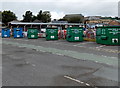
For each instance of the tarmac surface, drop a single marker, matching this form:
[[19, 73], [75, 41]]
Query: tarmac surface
[[37, 62]]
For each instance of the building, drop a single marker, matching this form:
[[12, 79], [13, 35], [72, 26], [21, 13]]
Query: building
[[39, 26], [106, 20], [93, 21], [73, 15], [2, 25], [78, 18], [59, 22], [92, 18], [114, 23], [98, 20]]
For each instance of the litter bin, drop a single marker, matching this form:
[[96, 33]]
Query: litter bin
[[18, 32], [5, 32], [32, 33], [108, 35], [51, 33], [74, 34]]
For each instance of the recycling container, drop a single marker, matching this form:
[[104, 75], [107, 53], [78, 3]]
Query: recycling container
[[51, 33], [32, 33], [18, 32], [108, 35], [74, 34], [5, 32]]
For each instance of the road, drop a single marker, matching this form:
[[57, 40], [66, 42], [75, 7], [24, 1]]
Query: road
[[37, 62]]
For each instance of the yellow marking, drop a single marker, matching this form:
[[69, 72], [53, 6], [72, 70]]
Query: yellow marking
[[88, 39]]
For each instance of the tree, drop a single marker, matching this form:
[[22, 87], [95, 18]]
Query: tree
[[8, 16], [28, 16], [44, 16], [39, 15], [116, 18], [34, 18]]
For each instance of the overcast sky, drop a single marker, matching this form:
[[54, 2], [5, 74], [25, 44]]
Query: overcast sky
[[59, 8]]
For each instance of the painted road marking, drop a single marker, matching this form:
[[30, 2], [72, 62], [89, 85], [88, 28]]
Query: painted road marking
[[78, 45], [54, 42], [33, 65], [74, 54], [99, 48], [83, 43], [78, 81], [105, 50]]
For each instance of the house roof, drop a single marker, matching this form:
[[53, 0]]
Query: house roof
[[72, 15], [118, 21], [114, 22]]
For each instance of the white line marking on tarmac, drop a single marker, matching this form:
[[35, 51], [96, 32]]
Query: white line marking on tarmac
[[17, 39], [87, 84], [78, 81], [68, 77], [100, 46], [33, 65], [78, 45]]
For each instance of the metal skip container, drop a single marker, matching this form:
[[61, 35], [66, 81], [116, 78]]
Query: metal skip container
[[32, 33], [5, 32], [51, 33], [18, 32], [74, 34], [108, 35]]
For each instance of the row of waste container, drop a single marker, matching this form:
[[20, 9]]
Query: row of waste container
[[109, 35]]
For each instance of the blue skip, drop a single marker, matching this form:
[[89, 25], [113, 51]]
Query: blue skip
[[18, 32], [5, 32]]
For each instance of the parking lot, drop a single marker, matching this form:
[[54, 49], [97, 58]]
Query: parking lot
[[37, 62]]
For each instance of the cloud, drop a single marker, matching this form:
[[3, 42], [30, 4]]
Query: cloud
[[57, 15], [58, 8], [59, 1]]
